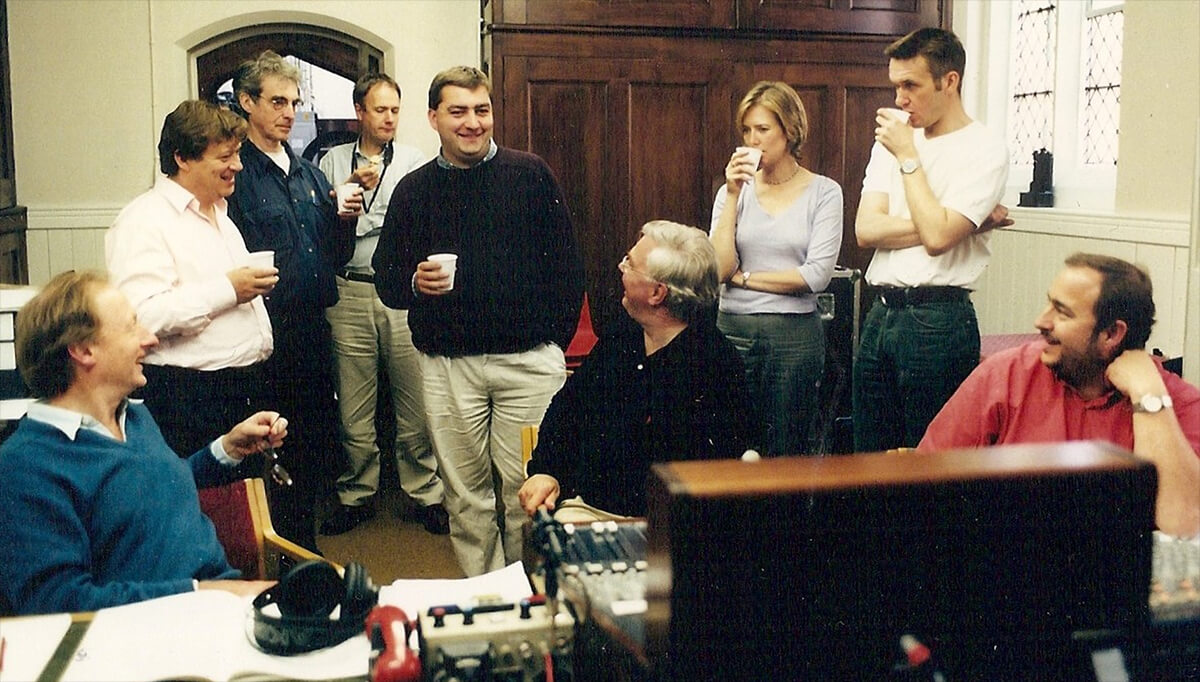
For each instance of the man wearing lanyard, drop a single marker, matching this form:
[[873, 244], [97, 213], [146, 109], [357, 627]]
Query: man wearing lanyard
[[284, 204], [368, 335]]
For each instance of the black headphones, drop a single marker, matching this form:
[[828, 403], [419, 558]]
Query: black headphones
[[306, 597]]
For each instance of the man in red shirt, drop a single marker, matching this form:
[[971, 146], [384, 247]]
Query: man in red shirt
[[1088, 378]]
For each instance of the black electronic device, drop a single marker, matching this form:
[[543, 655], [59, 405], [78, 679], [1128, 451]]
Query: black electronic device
[[831, 431], [306, 598], [599, 569]]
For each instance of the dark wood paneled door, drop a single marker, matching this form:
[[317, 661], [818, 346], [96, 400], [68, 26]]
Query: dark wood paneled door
[[878, 17], [840, 100], [629, 141], [680, 13]]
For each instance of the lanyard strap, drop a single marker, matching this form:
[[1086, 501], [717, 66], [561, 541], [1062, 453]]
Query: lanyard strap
[[387, 161]]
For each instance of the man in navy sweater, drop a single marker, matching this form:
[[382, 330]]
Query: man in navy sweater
[[491, 339], [98, 511]]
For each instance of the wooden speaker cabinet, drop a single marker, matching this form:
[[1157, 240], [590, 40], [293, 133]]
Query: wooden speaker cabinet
[[813, 568]]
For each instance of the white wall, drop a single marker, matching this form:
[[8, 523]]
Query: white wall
[[1152, 223], [93, 79]]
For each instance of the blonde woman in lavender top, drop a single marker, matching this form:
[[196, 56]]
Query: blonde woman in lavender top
[[777, 229]]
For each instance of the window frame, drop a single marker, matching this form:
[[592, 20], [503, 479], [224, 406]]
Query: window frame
[[1077, 186]]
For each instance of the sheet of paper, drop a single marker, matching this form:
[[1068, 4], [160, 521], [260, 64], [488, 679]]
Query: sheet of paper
[[507, 584], [29, 642], [198, 635]]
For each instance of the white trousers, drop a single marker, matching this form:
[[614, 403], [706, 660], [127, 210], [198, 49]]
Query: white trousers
[[476, 406]]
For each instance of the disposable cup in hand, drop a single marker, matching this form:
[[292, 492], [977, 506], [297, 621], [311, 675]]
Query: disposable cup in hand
[[898, 114], [344, 192], [261, 259], [753, 153], [449, 262]]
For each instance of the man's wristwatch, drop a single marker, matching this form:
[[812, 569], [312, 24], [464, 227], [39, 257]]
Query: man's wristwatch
[[909, 166], [1151, 403], [745, 280]]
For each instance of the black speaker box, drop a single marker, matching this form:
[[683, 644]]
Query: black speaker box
[[839, 305]]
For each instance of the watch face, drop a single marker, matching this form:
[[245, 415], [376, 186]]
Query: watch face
[[1151, 403]]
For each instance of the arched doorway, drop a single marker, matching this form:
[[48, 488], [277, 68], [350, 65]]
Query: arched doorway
[[339, 53]]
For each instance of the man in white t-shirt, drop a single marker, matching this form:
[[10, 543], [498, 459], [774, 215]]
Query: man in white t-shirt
[[367, 335], [930, 196]]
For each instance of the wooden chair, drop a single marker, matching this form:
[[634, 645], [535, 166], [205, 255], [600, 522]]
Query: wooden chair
[[585, 338], [528, 443], [242, 519]]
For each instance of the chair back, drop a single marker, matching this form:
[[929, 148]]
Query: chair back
[[585, 337], [235, 516], [529, 437]]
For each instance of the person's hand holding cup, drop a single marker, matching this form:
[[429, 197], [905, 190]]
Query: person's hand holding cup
[[742, 166], [367, 175], [349, 199], [435, 276], [894, 132], [256, 277]]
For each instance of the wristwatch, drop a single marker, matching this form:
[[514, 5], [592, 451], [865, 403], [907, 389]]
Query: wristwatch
[[745, 279], [909, 166], [1151, 403]]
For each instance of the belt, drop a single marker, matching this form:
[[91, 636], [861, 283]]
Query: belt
[[356, 276], [897, 297]]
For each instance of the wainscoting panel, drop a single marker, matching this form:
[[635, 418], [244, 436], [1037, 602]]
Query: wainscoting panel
[[1011, 292], [1025, 258], [66, 238]]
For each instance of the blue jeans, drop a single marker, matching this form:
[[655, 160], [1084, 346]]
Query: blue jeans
[[784, 355], [910, 361]]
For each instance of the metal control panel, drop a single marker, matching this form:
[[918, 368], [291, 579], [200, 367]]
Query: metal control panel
[[496, 641]]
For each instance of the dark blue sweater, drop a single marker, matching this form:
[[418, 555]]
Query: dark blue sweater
[[519, 279], [95, 522]]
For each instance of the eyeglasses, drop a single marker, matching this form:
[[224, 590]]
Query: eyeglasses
[[626, 266], [279, 103], [273, 468]]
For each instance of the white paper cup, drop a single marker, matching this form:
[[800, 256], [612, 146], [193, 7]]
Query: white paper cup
[[897, 113], [754, 152], [449, 263], [261, 259], [344, 192]]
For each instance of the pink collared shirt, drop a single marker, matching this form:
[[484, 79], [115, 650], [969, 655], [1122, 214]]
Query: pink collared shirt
[[1013, 398], [172, 262]]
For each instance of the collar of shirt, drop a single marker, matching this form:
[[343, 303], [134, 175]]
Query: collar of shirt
[[382, 155], [181, 199], [256, 161], [492, 149], [70, 421]]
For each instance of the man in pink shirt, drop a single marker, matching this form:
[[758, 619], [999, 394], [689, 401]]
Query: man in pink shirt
[[1088, 378], [182, 263]]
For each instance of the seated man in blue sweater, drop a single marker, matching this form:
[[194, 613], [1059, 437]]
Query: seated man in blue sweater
[[98, 511]]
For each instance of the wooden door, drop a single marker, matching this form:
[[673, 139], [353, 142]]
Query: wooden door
[[629, 142], [878, 17], [640, 13]]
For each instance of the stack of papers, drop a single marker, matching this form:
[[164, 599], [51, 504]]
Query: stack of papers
[[207, 635]]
